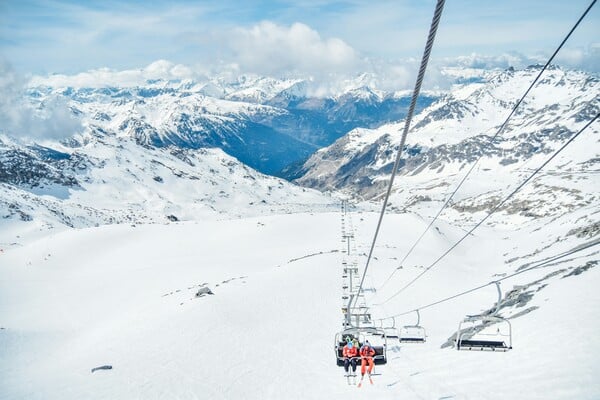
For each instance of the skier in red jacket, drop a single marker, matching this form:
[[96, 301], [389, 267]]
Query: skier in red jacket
[[366, 354], [350, 352]]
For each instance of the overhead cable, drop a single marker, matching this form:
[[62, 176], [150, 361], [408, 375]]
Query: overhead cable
[[496, 208], [491, 139], [429, 45], [537, 265]]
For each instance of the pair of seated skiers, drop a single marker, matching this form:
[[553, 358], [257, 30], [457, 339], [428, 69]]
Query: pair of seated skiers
[[351, 352]]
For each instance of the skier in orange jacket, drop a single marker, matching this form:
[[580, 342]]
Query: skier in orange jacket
[[366, 354], [350, 352]]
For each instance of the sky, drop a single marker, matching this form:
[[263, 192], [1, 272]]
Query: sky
[[78, 43], [311, 37]]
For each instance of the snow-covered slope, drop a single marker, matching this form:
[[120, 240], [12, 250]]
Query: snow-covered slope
[[125, 296], [106, 240], [109, 180], [453, 132]]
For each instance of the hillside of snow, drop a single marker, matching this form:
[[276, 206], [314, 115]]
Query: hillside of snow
[[105, 179], [125, 297], [452, 133], [192, 275]]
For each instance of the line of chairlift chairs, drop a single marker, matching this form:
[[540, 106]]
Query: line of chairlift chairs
[[483, 332], [358, 324], [475, 332]]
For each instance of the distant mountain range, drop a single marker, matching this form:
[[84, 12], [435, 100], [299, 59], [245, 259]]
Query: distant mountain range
[[453, 132], [266, 123], [173, 151]]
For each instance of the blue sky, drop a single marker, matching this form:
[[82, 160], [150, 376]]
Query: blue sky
[[68, 37]]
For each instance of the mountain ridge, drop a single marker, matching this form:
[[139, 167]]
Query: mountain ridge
[[458, 129], [280, 119]]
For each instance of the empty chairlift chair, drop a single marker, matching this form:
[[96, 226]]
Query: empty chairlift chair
[[357, 316], [413, 333], [485, 332], [390, 330]]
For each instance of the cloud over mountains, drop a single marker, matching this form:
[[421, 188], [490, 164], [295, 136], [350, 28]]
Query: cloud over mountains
[[270, 48], [19, 118]]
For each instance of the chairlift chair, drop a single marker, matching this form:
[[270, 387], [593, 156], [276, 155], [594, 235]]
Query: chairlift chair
[[375, 336], [484, 340], [351, 270], [357, 316], [413, 333], [480, 335], [391, 332]]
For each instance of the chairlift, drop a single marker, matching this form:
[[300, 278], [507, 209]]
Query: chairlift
[[351, 270], [375, 336], [413, 333], [391, 332], [357, 316], [480, 335]]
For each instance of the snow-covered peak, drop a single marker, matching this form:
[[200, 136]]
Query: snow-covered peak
[[456, 130], [108, 179]]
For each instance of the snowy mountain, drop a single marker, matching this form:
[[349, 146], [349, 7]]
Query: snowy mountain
[[191, 275], [266, 123], [152, 153], [106, 179], [453, 132]]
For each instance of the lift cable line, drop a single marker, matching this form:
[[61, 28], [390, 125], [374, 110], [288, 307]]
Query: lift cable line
[[500, 130], [496, 208], [430, 39], [541, 264]]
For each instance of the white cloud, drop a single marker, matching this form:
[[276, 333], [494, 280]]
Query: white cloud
[[264, 49], [581, 57], [52, 120], [482, 61], [299, 51], [272, 49], [586, 59], [104, 77]]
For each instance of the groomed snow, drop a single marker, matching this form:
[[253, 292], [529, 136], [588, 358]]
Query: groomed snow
[[124, 296]]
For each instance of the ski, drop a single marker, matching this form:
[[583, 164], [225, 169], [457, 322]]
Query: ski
[[361, 379]]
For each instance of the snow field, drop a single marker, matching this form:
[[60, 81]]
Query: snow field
[[124, 296]]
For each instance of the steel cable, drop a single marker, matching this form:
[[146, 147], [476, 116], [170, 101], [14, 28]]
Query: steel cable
[[496, 208], [500, 130], [429, 45]]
